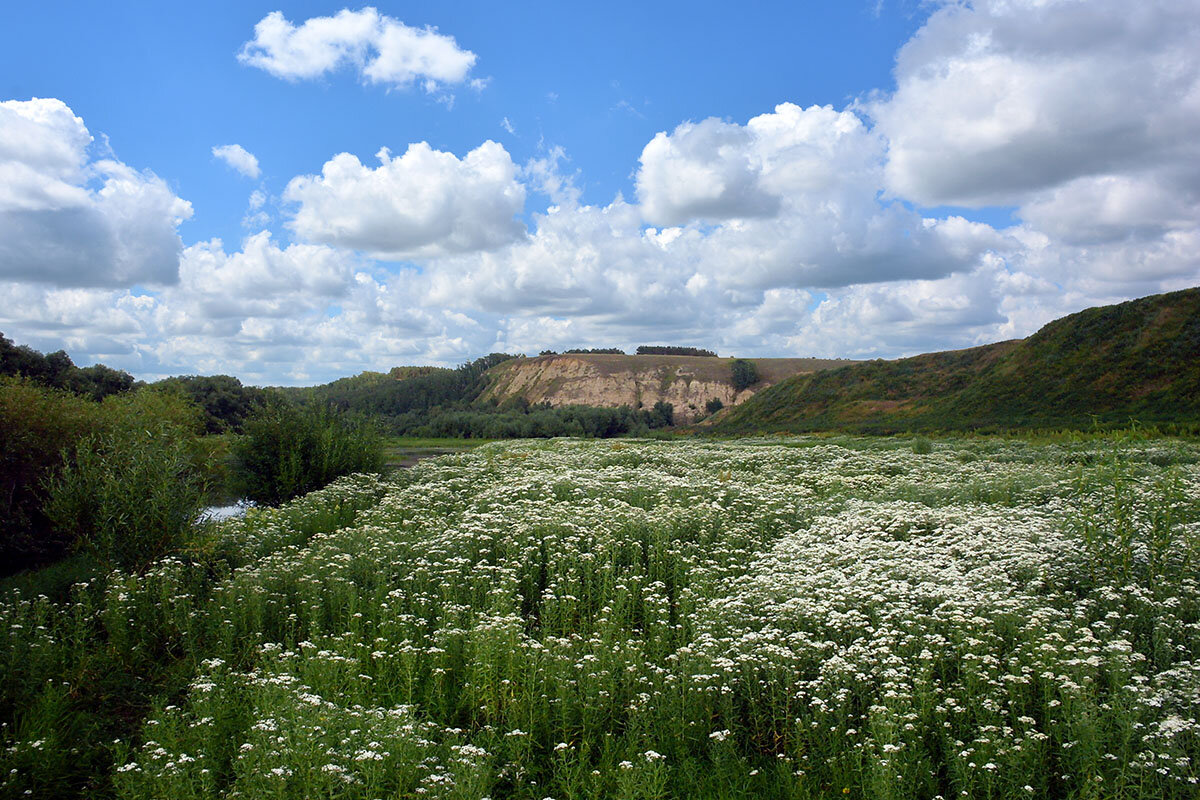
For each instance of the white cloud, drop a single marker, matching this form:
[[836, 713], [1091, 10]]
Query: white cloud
[[382, 49], [702, 171], [795, 198], [1086, 116], [239, 158], [1000, 98], [256, 216], [426, 202], [72, 220], [262, 279], [799, 231]]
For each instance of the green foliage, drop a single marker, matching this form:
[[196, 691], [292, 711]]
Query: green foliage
[[667, 350], [224, 400], [414, 389], [36, 424], [816, 618], [288, 450], [665, 413], [131, 490], [1103, 367], [744, 374], [921, 445], [127, 496], [714, 405], [101, 651], [52, 440], [520, 420], [58, 371]]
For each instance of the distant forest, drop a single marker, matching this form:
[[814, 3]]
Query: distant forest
[[408, 401], [657, 350]]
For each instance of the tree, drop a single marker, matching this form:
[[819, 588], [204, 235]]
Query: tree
[[663, 414], [745, 374], [224, 400]]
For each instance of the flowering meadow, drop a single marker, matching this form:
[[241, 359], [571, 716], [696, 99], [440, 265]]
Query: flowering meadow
[[799, 618]]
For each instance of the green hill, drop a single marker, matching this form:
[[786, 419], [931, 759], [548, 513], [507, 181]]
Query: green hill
[[1138, 360]]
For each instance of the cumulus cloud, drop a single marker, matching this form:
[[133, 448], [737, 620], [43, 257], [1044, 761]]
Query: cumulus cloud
[[702, 171], [426, 202], [1084, 116], [69, 219], [996, 99], [263, 279], [381, 48], [239, 158]]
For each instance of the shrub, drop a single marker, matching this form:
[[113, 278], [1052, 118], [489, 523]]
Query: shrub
[[714, 405], [36, 424], [921, 445], [130, 489], [127, 496], [663, 415], [289, 451], [745, 374]]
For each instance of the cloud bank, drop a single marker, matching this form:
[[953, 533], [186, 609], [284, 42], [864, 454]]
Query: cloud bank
[[802, 230]]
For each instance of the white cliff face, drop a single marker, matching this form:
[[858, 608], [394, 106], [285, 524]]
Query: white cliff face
[[571, 380]]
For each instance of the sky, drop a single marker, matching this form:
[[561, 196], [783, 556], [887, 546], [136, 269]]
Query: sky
[[291, 193]]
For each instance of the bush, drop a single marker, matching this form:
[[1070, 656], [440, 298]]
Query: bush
[[663, 415], [714, 405], [921, 445], [36, 424], [289, 451], [222, 398], [745, 374], [130, 490], [127, 496]]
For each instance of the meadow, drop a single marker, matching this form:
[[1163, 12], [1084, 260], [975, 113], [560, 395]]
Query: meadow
[[787, 618]]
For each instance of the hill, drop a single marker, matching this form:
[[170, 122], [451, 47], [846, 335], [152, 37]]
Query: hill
[[1136, 360], [639, 381]]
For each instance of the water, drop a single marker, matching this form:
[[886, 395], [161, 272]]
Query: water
[[218, 513]]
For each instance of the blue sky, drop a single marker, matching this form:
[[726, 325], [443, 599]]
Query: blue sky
[[851, 179], [162, 81]]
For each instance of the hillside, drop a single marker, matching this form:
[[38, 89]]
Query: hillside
[[1135, 360], [639, 381]]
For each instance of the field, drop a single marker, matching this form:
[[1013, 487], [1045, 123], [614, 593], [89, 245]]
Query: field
[[795, 618]]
